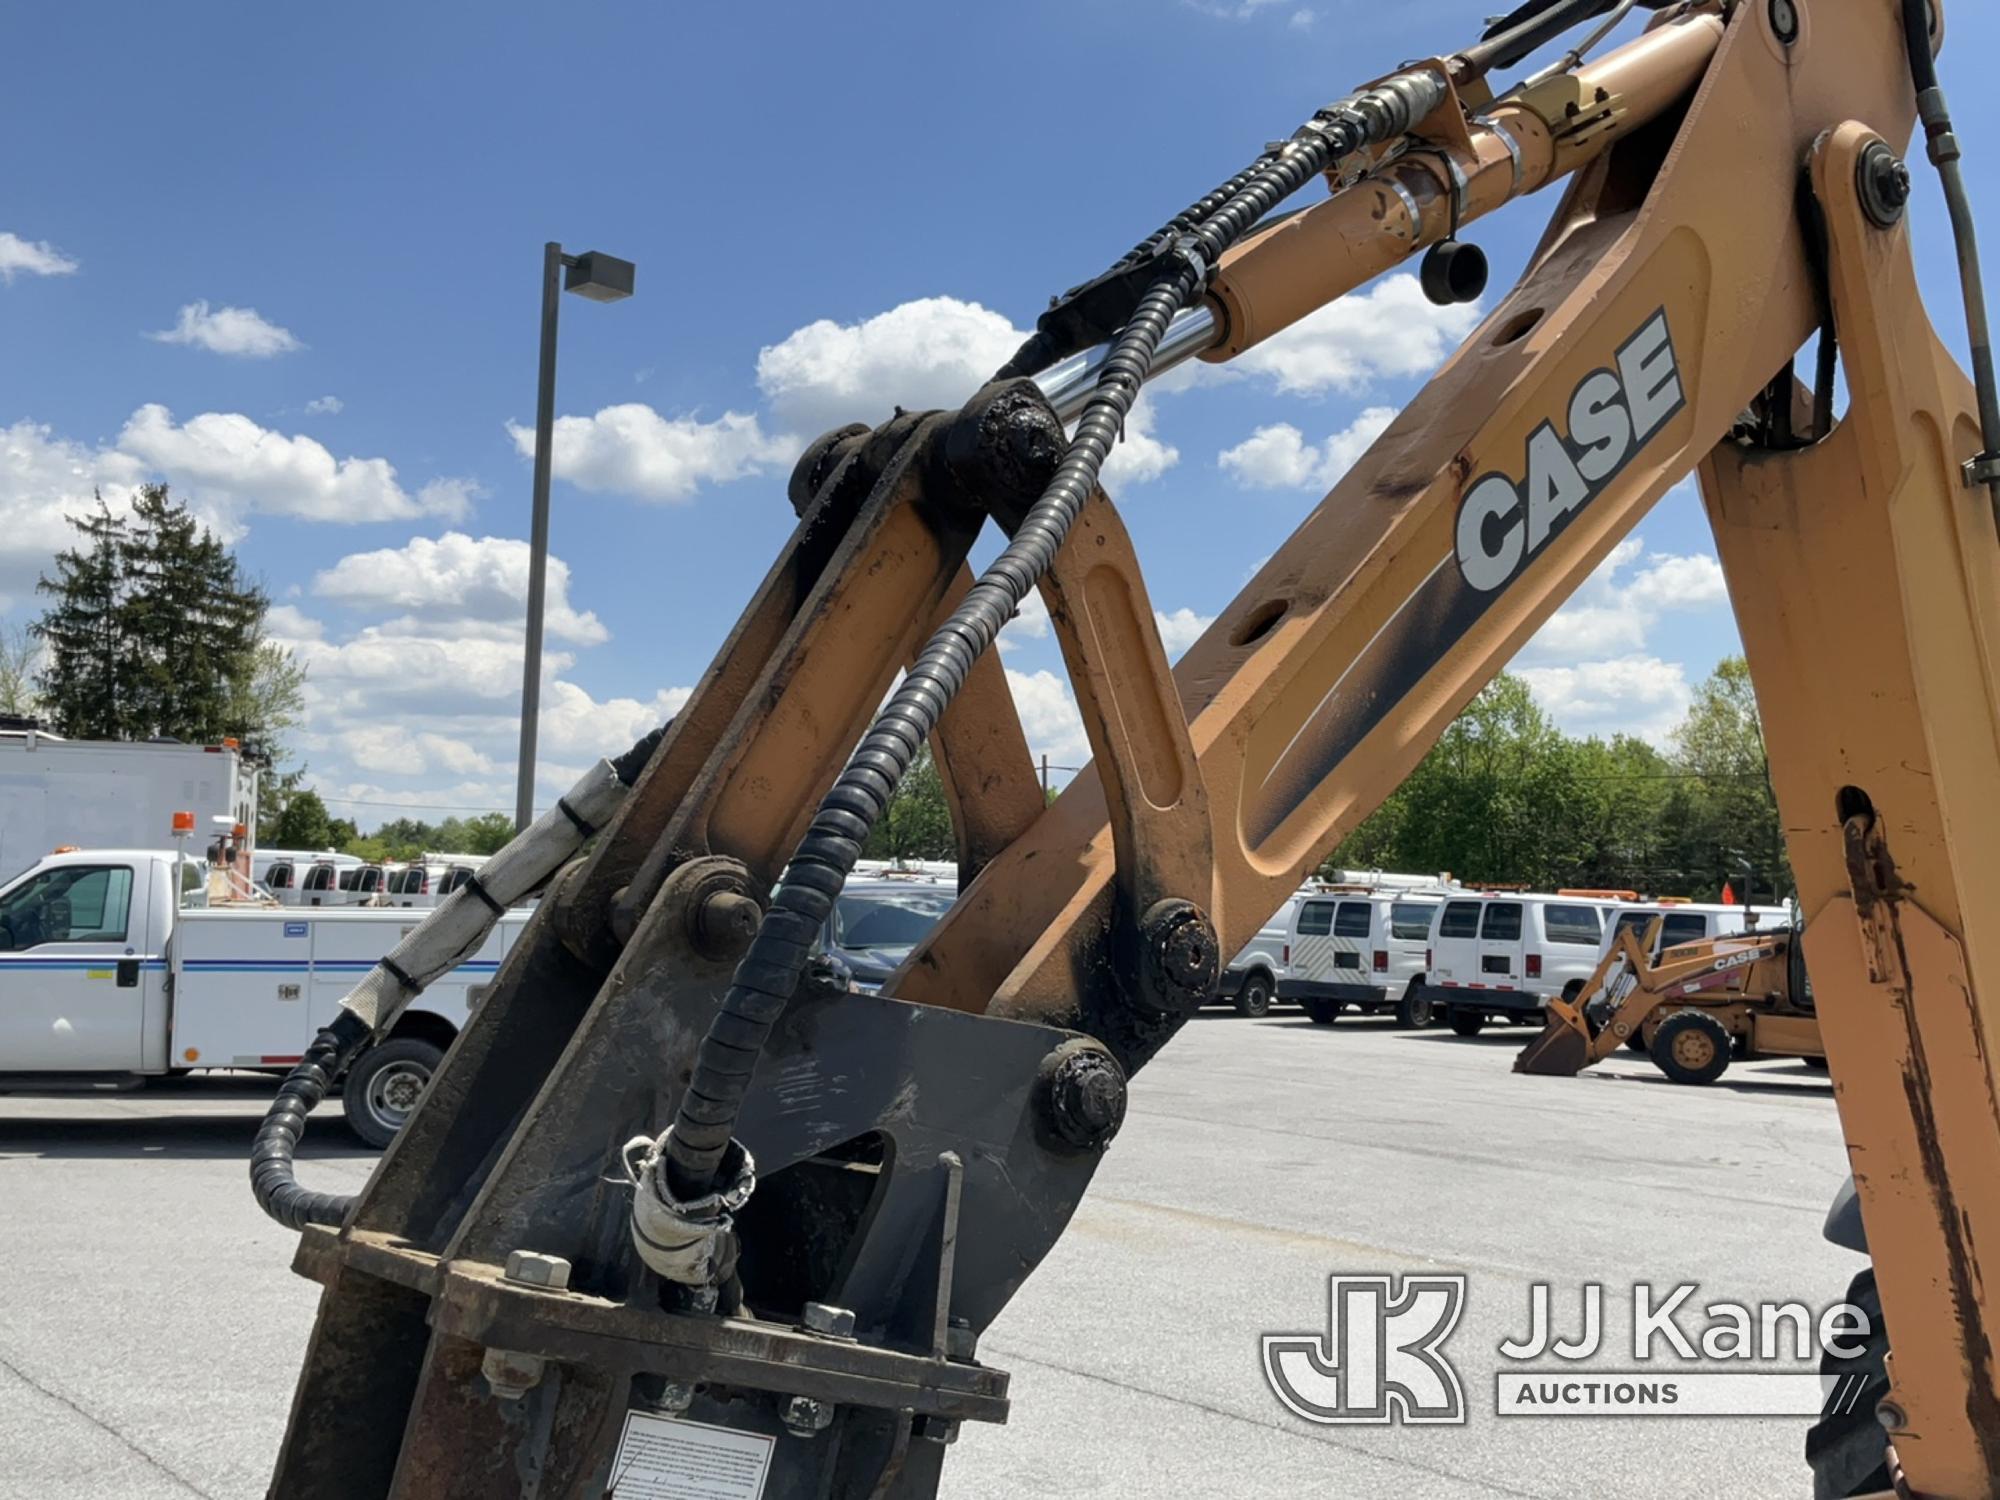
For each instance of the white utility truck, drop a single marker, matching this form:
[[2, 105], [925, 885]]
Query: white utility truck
[[105, 794], [114, 968]]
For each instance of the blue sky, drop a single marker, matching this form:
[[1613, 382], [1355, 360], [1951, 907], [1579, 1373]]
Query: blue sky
[[287, 260]]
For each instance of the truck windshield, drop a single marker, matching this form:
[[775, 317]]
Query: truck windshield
[[890, 919], [73, 904]]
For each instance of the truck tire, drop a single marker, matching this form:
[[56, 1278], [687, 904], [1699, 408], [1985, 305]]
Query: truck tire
[[1254, 999], [1691, 1046], [383, 1087], [1468, 1022], [1848, 1454], [1322, 1012], [1414, 1011]]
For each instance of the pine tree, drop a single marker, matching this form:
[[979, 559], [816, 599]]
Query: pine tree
[[195, 624], [153, 630], [88, 681]]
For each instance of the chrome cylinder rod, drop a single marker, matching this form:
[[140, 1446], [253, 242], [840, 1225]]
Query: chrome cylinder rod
[[1069, 384]]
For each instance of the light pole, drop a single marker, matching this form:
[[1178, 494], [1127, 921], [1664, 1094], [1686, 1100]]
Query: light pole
[[602, 278]]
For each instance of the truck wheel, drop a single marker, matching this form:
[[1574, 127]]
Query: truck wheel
[[1468, 1022], [1691, 1046], [1414, 1010], [383, 1088], [1254, 999], [1322, 1012], [1848, 1454]]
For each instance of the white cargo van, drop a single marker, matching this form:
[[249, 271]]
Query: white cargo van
[[1252, 979], [1364, 948], [1502, 955], [111, 972]]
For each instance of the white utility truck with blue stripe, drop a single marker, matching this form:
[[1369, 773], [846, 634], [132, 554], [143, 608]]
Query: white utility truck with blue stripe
[[115, 968]]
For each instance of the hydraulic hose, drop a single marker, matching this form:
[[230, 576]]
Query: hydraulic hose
[[438, 944], [1947, 158], [1040, 351], [693, 1149]]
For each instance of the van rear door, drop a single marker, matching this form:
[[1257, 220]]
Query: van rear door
[[1500, 946], [1454, 945], [1312, 943]]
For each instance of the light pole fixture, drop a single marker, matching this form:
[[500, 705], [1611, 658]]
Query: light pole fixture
[[601, 278]]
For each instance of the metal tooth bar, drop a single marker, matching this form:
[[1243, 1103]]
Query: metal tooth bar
[[1069, 384]]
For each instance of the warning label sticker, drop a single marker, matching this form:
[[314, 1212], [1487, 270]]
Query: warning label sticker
[[664, 1458]]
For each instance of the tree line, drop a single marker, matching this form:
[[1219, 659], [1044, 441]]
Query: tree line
[[1506, 798], [152, 630]]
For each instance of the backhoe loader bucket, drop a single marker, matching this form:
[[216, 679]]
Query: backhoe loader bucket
[[1563, 1048]]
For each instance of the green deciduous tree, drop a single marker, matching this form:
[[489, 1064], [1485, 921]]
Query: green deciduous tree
[[1505, 798], [18, 650], [303, 824], [918, 822]]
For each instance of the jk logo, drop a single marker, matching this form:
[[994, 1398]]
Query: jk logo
[[1379, 1360]]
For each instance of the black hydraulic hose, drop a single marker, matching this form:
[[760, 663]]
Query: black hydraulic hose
[[1945, 155], [1038, 351], [271, 1154], [769, 972]]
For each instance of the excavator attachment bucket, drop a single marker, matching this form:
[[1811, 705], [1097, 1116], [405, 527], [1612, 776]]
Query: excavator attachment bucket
[[1563, 1048]]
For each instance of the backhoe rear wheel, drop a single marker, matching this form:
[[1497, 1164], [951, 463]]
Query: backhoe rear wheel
[[1849, 1453], [1691, 1046]]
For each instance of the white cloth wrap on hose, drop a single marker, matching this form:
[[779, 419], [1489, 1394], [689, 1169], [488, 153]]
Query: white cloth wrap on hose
[[457, 929], [690, 1243]]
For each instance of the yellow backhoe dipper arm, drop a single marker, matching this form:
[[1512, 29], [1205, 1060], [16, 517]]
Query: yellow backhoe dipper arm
[[1629, 984], [675, 1179]]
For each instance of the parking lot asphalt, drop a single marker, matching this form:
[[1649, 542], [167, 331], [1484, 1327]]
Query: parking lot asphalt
[[150, 1327]]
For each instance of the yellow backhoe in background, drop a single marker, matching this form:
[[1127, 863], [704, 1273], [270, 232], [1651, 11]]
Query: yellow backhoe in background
[[1689, 1008], [679, 1197]]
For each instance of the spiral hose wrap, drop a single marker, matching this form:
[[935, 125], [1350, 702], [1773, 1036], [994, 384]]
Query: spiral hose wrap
[[769, 972]]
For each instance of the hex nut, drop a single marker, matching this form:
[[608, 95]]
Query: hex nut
[[532, 1268], [805, 1417], [511, 1374]]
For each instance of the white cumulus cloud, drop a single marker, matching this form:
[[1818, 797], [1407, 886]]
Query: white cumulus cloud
[[1279, 457], [328, 406], [630, 449], [1636, 694], [474, 582], [932, 352], [1390, 331], [19, 257], [1049, 717], [1181, 629], [228, 456], [240, 331]]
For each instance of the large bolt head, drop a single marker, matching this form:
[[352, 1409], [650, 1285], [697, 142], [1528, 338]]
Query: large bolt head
[[1083, 1094], [511, 1374], [1785, 20], [1178, 959], [532, 1268], [1884, 184], [827, 1321], [727, 922]]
